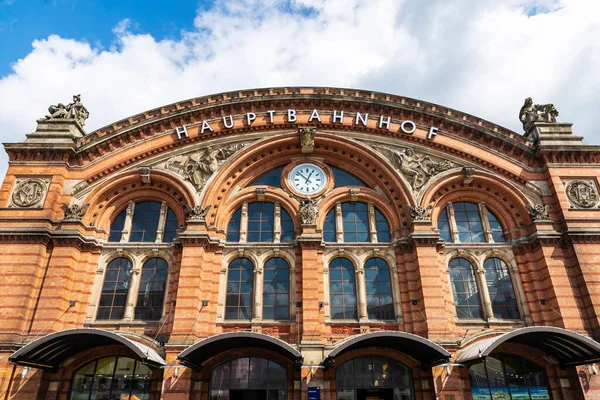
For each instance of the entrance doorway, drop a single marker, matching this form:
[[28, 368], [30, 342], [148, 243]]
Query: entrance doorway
[[375, 394], [248, 378], [247, 394]]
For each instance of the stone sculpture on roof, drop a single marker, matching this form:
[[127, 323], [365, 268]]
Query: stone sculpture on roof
[[531, 113], [75, 110]]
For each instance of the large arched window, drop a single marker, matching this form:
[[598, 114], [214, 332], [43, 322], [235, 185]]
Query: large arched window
[[464, 286], [114, 291], [261, 223], [112, 378], [151, 295], [506, 376], [380, 303], [373, 376], [240, 289], [146, 221], [500, 288], [342, 289], [276, 290], [465, 222], [248, 378], [357, 219], [468, 222]]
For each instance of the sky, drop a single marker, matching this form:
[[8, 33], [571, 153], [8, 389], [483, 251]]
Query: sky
[[483, 57]]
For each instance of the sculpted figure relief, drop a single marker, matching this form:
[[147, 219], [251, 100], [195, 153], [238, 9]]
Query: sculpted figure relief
[[308, 211], [198, 167], [539, 212], [74, 212], [582, 194], [75, 110], [531, 113], [417, 168], [198, 213], [419, 213]]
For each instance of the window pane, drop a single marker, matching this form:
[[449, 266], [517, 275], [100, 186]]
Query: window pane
[[116, 227], [502, 294], [342, 289], [287, 227], [383, 229], [261, 221], [356, 222], [343, 178], [269, 178], [151, 295], [464, 286], [276, 289], [496, 228], [114, 290], [240, 281], [379, 289], [233, 228], [468, 222], [145, 221], [170, 227]]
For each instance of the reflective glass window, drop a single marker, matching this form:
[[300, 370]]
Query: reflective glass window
[[502, 293], [380, 304], [151, 296], [496, 228], [355, 217], [382, 227], [240, 289], [116, 227], [342, 289], [145, 221], [276, 289], [233, 228], [112, 378], [287, 227], [468, 222], [114, 290], [253, 376], [466, 296], [343, 178], [261, 222], [444, 226], [170, 227], [269, 178], [329, 226]]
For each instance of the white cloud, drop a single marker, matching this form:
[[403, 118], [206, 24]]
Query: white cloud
[[482, 57]]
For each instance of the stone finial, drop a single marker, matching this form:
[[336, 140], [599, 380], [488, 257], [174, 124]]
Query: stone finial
[[74, 212], [419, 213], [538, 212], [197, 213], [308, 211], [531, 113], [75, 110]]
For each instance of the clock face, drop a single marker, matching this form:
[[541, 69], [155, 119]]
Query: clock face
[[307, 178]]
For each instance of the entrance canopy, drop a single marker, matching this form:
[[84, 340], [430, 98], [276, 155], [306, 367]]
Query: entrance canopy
[[568, 347], [195, 355], [50, 351], [419, 348]]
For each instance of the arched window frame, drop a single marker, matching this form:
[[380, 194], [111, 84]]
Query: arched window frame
[[483, 217], [279, 221], [258, 259], [138, 257], [477, 262], [128, 222], [374, 223]]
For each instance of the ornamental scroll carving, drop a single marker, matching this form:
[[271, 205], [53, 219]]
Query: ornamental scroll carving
[[308, 211], [29, 192], [416, 167], [582, 194], [74, 212], [197, 213], [198, 167]]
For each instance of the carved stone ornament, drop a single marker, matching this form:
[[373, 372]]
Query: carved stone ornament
[[307, 136], [29, 192], [79, 187], [539, 212], [417, 168], [198, 167], [308, 211], [74, 212], [582, 194], [419, 213], [531, 113], [197, 213], [75, 110]]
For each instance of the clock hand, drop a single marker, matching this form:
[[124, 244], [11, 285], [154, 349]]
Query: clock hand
[[301, 175], [309, 175]]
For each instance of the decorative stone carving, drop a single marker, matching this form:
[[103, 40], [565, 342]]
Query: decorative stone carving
[[74, 110], [198, 167], [197, 213], [538, 212], [582, 194], [416, 167], [74, 212], [419, 213], [260, 194], [79, 187], [145, 174], [354, 193], [29, 192], [308, 211], [307, 139], [468, 173], [531, 113]]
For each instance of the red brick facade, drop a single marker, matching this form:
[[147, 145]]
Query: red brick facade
[[54, 267]]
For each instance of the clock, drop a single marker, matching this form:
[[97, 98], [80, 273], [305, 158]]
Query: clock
[[307, 179]]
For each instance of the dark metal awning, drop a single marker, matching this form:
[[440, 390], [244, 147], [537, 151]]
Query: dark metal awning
[[423, 350], [195, 355], [568, 347], [50, 351]]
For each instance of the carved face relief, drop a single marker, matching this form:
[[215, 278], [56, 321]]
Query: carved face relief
[[29, 192], [582, 194]]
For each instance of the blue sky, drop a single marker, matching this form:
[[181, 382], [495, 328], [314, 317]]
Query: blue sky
[[22, 21], [483, 57]]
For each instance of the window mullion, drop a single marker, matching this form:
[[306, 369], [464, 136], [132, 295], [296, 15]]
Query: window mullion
[[486, 223], [132, 294], [244, 223], [396, 293], [372, 224], [258, 294], [339, 223], [452, 223], [277, 224], [128, 222], [361, 287], [162, 220], [488, 312]]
